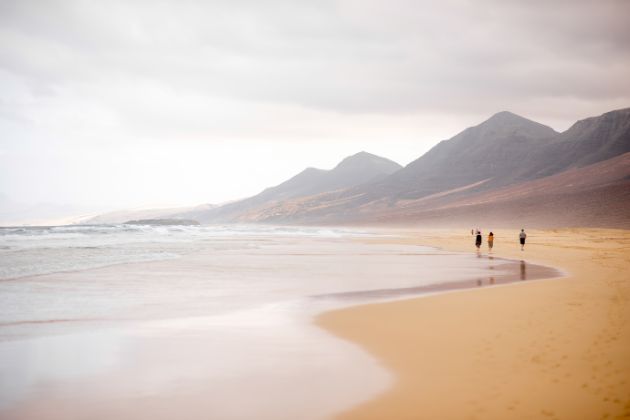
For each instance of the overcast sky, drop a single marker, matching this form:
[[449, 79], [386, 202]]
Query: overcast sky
[[118, 104]]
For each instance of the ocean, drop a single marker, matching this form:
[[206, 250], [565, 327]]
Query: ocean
[[111, 314], [28, 251]]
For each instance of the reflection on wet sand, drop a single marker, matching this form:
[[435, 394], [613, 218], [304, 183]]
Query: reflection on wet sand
[[506, 271]]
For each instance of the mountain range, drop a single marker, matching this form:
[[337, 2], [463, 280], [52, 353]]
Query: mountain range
[[506, 171]]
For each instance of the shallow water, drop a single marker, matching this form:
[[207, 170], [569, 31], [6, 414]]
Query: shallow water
[[223, 330], [28, 251]]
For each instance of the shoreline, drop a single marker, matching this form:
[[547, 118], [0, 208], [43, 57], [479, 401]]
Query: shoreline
[[204, 352], [508, 271], [545, 349]]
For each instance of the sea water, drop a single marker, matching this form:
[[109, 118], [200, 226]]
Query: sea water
[[28, 251], [127, 321]]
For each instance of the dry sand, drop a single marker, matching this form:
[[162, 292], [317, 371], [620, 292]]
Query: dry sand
[[544, 349]]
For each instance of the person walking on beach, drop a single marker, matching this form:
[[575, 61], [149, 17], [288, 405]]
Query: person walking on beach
[[478, 240], [490, 240], [522, 237]]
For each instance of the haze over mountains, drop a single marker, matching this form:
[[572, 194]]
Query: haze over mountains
[[506, 170], [122, 216]]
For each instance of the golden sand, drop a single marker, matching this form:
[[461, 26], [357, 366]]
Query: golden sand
[[542, 349]]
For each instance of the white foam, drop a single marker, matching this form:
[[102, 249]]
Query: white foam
[[28, 251]]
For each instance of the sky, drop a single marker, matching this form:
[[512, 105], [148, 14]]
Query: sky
[[126, 104]]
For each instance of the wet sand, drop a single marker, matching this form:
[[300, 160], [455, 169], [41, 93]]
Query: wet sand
[[507, 272], [225, 332], [546, 349]]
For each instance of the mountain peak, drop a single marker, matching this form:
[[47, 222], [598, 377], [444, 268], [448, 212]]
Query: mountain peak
[[509, 118], [364, 159], [507, 124], [361, 155], [505, 114]]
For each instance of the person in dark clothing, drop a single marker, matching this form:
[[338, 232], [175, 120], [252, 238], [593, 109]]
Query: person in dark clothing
[[478, 240], [521, 238]]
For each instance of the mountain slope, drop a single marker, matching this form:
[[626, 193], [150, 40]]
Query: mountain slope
[[489, 151], [588, 141], [354, 170], [596, 195], [592, 195], [484, 155], [503, 151]]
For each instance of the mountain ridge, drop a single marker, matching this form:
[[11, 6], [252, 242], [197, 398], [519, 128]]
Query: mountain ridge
[[352, 171], [506, 149], [503, 153]]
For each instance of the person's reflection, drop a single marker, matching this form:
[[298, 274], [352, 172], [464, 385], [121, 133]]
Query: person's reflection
[[523, 273]]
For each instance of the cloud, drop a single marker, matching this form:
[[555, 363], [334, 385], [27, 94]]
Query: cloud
[[341, 56], [136, 72]]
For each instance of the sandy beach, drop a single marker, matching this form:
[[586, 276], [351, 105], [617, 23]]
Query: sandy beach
[[226, 330], [222, 327], [555, 348]]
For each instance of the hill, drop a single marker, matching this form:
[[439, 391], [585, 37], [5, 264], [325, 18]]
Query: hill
[[361, 168], [121, 216], [505, 153], [505, 170]]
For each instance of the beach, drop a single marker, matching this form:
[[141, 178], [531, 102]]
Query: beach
[[415, 324], [132, 322], [555, 348]]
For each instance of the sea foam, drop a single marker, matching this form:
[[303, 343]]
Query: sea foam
[[28, 251]]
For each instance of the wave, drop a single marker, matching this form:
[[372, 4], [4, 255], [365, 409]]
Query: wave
[[37, 250]]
